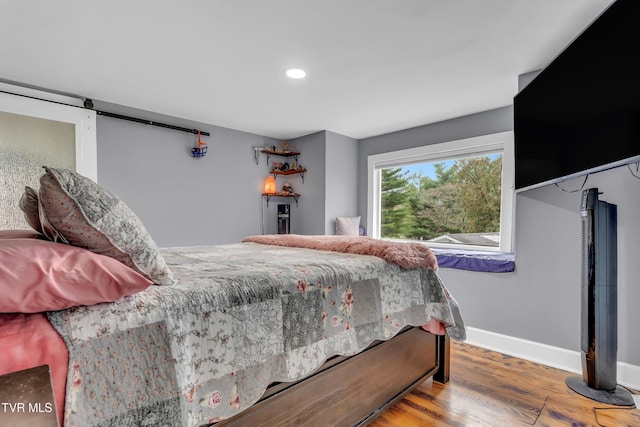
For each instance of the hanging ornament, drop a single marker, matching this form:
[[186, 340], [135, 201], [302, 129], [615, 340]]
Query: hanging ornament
[[200, 150]]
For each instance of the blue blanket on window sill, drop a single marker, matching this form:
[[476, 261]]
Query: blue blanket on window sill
[[472, 260]]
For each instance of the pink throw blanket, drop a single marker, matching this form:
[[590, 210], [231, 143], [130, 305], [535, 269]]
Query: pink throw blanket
[[405, 254]]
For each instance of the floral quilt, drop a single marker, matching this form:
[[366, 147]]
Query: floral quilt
[[240, 317]]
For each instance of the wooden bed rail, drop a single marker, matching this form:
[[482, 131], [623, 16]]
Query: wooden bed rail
[[353, 391]]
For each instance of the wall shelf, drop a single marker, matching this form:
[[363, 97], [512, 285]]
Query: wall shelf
[[270, 153], [280, 194], [275, 172], [289, 172]]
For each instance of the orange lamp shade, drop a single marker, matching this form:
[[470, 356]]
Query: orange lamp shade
[[270, 185]]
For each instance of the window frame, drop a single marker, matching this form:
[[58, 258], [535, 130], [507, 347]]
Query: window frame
[[61, 108], [496, 142]]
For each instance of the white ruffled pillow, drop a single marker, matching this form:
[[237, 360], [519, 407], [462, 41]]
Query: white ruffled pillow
[[348, 226]]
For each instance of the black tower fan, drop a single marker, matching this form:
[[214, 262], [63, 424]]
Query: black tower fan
[[599, 304]]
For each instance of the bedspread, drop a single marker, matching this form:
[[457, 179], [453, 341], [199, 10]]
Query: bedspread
[[241, 317]]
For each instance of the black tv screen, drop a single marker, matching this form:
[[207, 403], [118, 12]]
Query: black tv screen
[[581, 114]]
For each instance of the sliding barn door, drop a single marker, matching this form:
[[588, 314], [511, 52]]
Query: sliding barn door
[[36, 129], [26, 144]]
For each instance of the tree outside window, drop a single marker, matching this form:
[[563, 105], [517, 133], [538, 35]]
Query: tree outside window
[[456, 197]]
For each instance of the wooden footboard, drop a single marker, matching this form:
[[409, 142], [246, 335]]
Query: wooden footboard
[[352, 391]]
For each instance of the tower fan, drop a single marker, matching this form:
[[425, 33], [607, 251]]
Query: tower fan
[[599, 304]]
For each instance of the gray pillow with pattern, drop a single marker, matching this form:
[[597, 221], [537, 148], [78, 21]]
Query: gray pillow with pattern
[[28, 204], [86, 215]]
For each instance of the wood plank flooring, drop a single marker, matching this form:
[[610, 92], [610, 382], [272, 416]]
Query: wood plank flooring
[[493, 389]]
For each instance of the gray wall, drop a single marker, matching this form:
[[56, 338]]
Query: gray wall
[[182, 200], [330, 184], [341, 198], [217, 199], [540, 301], [309, 217]]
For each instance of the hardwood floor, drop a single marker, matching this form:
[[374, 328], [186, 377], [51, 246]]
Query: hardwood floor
[[493, 389]]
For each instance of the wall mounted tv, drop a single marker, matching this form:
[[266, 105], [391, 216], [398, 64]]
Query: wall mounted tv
[[581, 113]]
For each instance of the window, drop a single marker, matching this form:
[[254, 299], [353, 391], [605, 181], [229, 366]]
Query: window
[[39, 128], [457, 194]]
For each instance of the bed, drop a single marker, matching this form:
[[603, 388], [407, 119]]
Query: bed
[[251, 333]]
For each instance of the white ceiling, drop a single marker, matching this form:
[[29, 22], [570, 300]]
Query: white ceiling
[[373, 66]]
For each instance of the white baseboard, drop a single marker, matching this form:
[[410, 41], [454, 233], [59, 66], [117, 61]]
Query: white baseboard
[[556, 357]]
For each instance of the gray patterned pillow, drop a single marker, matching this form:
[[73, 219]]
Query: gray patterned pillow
[[348, 226], [28, 204], [88, 216]]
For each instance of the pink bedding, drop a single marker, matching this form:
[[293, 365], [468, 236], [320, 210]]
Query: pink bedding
[[434, 326], [29, 340], [405, 254]]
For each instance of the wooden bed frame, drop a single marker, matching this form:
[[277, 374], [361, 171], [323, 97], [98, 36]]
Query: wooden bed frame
[[353, 391]]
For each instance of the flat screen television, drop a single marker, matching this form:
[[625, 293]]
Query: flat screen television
[[581, 113]]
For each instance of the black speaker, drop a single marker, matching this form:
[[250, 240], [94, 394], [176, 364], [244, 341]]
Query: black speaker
[[599, 303]]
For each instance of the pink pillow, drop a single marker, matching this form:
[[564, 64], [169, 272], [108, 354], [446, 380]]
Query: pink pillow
[[19, 234], [38, 275]]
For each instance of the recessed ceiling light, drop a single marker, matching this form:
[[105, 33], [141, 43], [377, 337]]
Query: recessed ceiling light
[[295, 73]]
